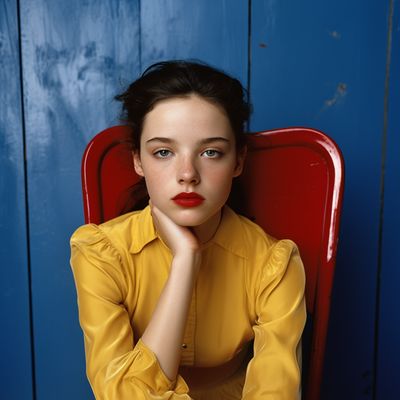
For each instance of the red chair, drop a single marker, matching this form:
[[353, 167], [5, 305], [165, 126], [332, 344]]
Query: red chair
[[293, 183]]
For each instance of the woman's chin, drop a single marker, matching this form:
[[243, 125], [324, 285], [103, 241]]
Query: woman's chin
[[189, 220], [194, 217]]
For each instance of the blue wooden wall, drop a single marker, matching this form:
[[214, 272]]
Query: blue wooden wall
[[330, 65]]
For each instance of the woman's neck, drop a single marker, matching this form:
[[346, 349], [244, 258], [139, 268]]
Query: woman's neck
[[206, 231]]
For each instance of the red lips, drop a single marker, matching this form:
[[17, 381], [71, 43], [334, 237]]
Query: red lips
[[188, 199]]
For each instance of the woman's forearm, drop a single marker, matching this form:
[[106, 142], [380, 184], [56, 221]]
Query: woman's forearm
[[164, 333]]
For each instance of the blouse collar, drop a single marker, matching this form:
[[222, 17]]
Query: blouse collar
[[229, 234]]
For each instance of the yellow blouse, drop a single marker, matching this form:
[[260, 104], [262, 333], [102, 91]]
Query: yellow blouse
[[250, 288]]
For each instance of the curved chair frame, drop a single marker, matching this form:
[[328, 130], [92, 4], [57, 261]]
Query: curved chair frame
[[293, 182]]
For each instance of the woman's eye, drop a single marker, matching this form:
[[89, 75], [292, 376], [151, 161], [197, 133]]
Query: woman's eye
[[212, 153], [163, 153]]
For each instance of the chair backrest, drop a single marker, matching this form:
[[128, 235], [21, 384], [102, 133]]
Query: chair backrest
[[293, 181]]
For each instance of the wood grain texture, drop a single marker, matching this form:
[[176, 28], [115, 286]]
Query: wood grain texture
[[388, 346], [212, 31], [322, 64], [76, 57], [15, 360]]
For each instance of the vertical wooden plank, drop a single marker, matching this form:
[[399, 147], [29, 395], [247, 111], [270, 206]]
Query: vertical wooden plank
[[213, 31], [388, 365], [15, 360], [76, 57], [322, 64]]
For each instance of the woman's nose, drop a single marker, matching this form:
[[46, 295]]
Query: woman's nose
[[187, 171]]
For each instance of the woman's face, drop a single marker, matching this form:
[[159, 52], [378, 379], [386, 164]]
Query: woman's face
[[187, 145]]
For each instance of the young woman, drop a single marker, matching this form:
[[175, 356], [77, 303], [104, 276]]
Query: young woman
[[186, 299]]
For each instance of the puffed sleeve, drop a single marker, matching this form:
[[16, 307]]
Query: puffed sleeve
[[274, 372], [117, 367]]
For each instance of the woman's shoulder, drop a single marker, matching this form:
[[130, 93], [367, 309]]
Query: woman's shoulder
[[268, 257], [117, 232], [255, 241]]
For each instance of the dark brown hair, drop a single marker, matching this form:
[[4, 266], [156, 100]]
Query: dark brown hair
[[170, 79]]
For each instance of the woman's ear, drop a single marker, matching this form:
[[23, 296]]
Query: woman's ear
[[241, 157], [137, 162]]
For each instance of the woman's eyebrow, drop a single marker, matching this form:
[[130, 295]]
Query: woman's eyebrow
[[214, 139], [160, 139]]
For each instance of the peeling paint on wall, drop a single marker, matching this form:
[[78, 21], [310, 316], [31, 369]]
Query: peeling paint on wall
[[340, 93]]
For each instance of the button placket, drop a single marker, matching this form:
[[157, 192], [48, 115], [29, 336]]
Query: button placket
[[187, 357]]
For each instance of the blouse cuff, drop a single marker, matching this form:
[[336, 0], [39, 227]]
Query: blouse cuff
[[151, 374]]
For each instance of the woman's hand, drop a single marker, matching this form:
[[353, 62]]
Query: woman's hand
[[180, 239]]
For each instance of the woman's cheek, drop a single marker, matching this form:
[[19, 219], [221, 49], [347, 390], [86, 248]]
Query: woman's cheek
[[221, 175]]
